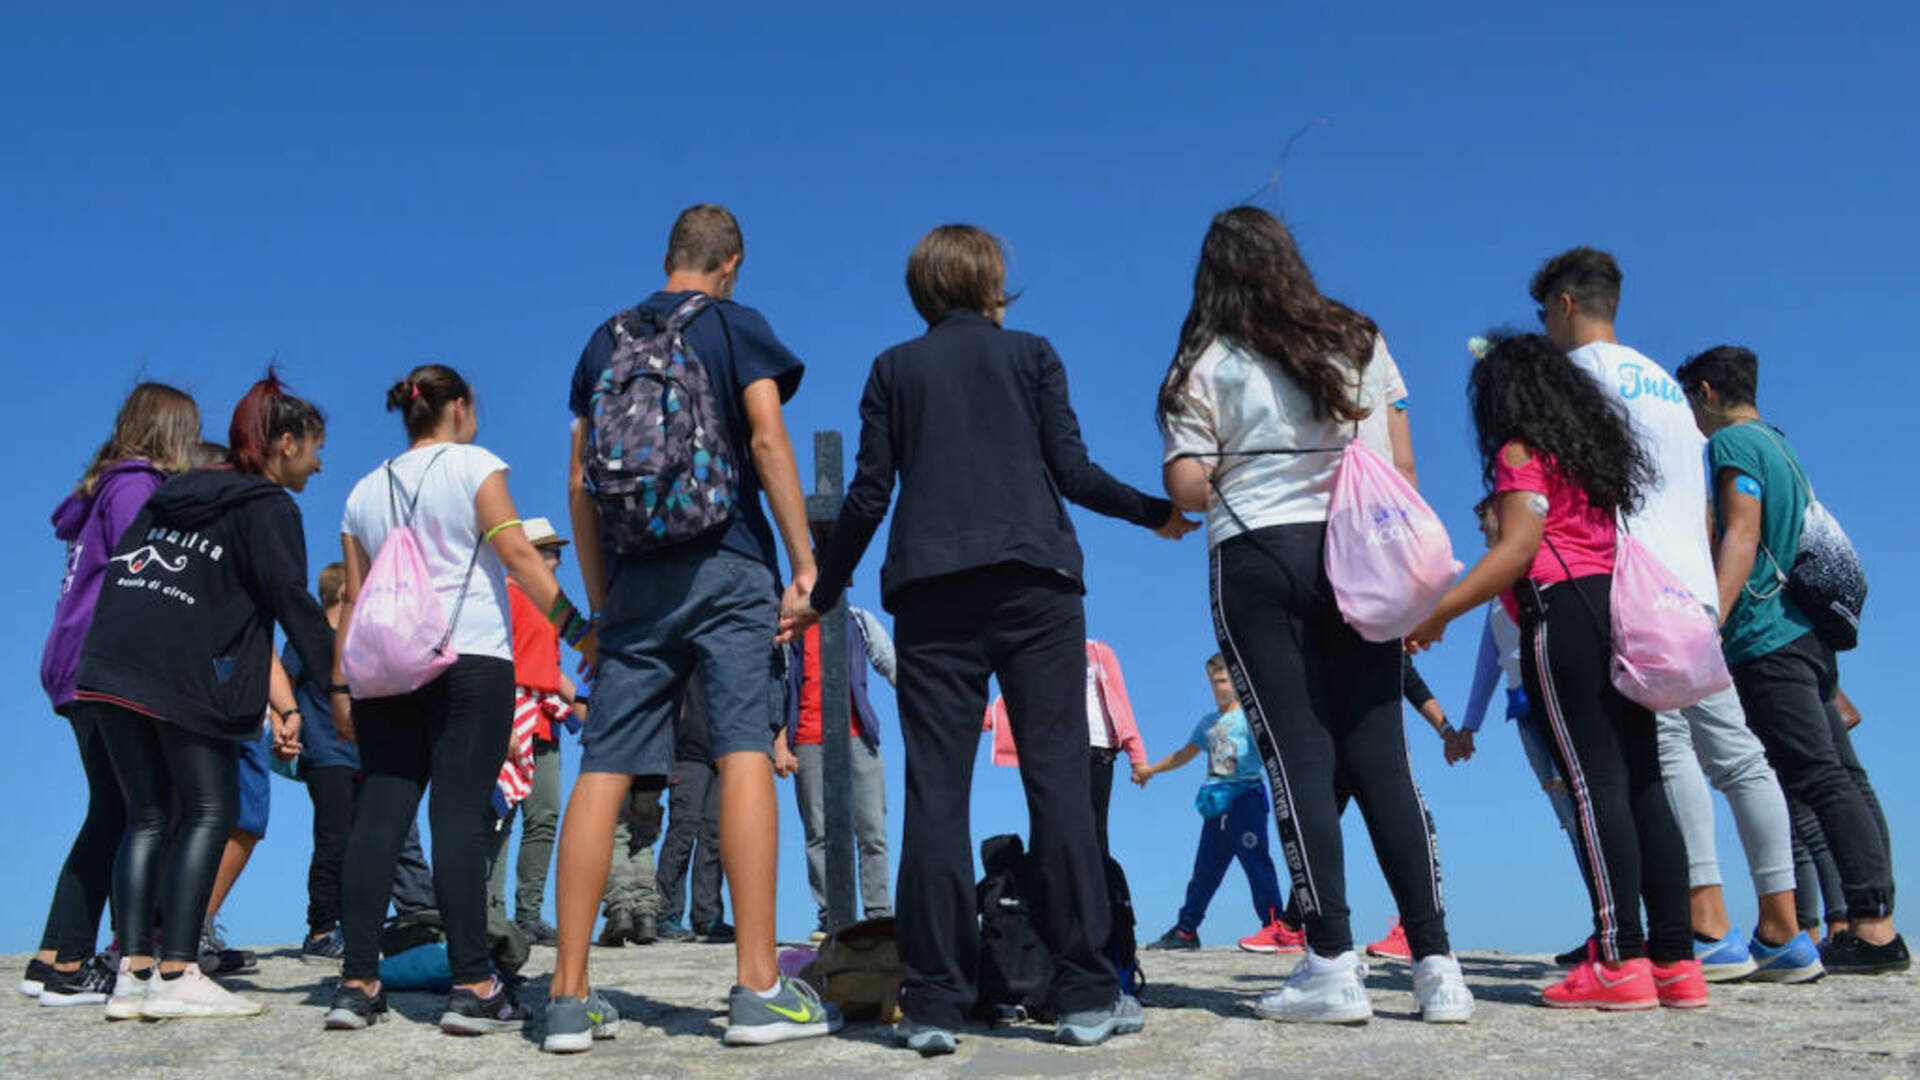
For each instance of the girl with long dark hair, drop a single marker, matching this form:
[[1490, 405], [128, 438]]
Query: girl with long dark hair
[[1561, 458], [176, 669], [1269, 381], [453, 731], [153, 438]]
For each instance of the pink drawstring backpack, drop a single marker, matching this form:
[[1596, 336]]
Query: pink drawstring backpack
[[396, 642], [1388, 556], [1666, 648]]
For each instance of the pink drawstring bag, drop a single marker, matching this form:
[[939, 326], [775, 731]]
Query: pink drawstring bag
[[1666, 648], [1388, 556], [397, 640]]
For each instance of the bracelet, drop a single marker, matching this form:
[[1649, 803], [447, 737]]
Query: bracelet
[[498, 529], [295, 711], [1446, 729], [567, 619], [339, 688]]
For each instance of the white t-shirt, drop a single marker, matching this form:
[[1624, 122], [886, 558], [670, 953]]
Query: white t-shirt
[[1672, 521], [1099, 731], [1237, 401], [448, 528]]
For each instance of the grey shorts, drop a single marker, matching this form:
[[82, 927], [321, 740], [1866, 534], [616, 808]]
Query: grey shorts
[[706, 614]]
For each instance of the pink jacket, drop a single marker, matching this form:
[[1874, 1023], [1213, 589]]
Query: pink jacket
[[1113, 694]]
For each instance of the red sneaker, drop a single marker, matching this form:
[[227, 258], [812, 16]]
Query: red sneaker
[[1276, 938], [1681, 985], [1393, 946], [1591, 986]]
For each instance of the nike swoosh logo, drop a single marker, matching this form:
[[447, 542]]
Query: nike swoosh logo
[[597, 1018], [1670, 980], [799, 1016], [1601, 974]]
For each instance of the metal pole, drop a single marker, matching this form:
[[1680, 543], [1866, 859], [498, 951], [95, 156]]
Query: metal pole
[[836, 705]]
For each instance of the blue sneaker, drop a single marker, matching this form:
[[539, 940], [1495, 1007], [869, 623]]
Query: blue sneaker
[[1798, 961], [1725, 960]]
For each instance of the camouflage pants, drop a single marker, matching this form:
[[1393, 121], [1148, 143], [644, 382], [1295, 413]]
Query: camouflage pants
[[630, 884]]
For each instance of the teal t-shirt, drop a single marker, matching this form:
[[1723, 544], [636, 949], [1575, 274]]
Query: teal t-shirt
[[1231, 758], [1763, 619]]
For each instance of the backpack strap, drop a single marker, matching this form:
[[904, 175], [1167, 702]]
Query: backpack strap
[[689, 308], [413, 500]]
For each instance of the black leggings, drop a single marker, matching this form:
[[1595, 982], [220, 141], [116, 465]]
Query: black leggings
[[331, 787], [1606, 748], [1324, 709], [80, 892], [452, 731], [176, 783]]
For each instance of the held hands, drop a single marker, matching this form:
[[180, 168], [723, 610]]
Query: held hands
[[1142, 774], [785, 764], [342, 708], [1459, 746], [286, 736], [796, 610], [1427, 634], [1177, 525]]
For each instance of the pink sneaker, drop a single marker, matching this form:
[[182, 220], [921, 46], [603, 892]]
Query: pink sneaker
[[1276, 938], [1393, 946], [1626, 988], [1682, 985]]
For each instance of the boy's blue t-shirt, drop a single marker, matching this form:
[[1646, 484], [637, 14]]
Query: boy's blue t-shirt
[[738, 348], [1228, 744]]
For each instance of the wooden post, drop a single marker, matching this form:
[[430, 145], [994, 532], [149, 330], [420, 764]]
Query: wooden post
[[836, 705]]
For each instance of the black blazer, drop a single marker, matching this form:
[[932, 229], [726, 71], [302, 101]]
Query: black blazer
[[974, 419]]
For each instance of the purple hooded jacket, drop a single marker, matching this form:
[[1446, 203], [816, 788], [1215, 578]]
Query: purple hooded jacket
[[91, 527]]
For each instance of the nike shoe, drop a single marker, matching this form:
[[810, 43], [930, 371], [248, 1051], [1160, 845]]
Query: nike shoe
[[1680, 985], [191, 993], [88, 984], [354, 1009], [796, 1012], [129, 993], [1441, 987], [573, 1023], [1846, 954], [1177, 940], [1798, 961], [1725, 960], [1275, 938], [1321, 991], [1626, 988], [1393, 946], [35, 980], [1095, 1026], [469, 1013]]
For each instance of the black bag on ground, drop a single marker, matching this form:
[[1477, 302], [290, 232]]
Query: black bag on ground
[[1123, 948], [1016, 970]]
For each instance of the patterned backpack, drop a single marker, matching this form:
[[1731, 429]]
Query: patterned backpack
[[658, 459]]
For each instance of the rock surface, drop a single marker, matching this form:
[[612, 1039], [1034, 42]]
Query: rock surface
[[1199, 1024]]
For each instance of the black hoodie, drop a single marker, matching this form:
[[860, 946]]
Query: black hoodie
[[184, 630]]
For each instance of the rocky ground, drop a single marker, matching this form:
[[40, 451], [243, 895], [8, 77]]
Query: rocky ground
[[1199, 1024]]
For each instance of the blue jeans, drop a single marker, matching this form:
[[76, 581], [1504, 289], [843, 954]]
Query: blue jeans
[[1239, 833]]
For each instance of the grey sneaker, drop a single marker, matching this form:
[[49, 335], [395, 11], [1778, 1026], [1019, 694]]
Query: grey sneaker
[[574, 1023], [470, 1014], [796, 1012], [923, 1039], [1095, 1026]]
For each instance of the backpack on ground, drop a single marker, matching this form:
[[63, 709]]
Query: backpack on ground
[[1016, 970], [1123, 947], [858, 969], [399, 638], [1825, 580], [658, 460]]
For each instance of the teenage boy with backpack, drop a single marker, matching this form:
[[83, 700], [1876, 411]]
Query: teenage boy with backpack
[[677, 426]]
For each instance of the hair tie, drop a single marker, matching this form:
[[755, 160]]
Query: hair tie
[[414, 387]]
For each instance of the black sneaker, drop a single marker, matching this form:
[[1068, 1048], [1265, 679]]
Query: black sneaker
[[1177, 939], [672, 930], [716, 932], [538, 931], [35, 980], [89, 984], [354, 1009], [1576, 955], [327, 948], [470, 1014], [216, 958], [1846, 954], [618, 929], [646, 930]]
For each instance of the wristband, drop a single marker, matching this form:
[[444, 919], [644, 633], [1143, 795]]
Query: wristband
[[295, 711], [339, 688], [1446, 729]]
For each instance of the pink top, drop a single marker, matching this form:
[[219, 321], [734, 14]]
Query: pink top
[[1113, 694], [1582, 536]]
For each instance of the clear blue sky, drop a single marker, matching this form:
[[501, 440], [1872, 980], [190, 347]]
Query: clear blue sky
[[187, 194]]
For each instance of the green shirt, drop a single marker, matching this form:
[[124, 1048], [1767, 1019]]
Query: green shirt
[[1763, 619]]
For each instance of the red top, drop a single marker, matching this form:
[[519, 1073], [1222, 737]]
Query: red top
[[536, 644], [1583, 536], [807, 730]]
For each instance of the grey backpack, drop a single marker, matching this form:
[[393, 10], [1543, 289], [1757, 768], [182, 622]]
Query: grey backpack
[[658, 457]]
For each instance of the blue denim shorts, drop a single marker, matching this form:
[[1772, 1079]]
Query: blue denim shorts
[[256, 793], [707, 614]]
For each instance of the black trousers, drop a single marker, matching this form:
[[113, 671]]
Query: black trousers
[[331, 788], [693, 840], [179, 786], [452, 732], [1028, 627], [1100, 778], [1606, 748], [1788, 698], [1324, 708], [80, 892]]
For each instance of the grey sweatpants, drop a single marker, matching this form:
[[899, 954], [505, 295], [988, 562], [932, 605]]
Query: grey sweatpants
[[869, 790], [1711, 741]]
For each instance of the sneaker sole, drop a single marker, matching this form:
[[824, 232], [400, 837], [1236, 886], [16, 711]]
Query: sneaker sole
[[1871, 969], [1449, 1014], [1349, 1015], [1804, 974], [176, 1011], [348, 1020], [929, 1045], [768, 1034], [31, 988], [1099, 1033], [1404, 958], [1684, 1003], [1603, 1006], [1274, 950], [1719, 973], [576, 1042], [61, 1001], [457, 1024]]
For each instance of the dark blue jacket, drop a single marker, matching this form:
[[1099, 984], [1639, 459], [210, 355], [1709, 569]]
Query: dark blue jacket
[[858, 656]]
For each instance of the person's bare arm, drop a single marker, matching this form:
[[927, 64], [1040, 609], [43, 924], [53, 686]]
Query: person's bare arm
[[584, 512], [780, 478], [354, 560], [499, 525], [1144, 773], [1739, 542], [1521, 530], [286, 712], [1400, 434], [1188, 483]]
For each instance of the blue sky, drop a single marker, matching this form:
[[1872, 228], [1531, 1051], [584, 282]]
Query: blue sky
[[189, 194]]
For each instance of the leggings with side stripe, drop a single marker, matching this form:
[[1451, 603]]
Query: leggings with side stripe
[[1607, 748], [1324, 709]]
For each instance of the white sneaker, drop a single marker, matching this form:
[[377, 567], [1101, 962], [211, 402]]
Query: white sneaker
[[1321, 991], [1442, 990], [193, 994], [129, 994]]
